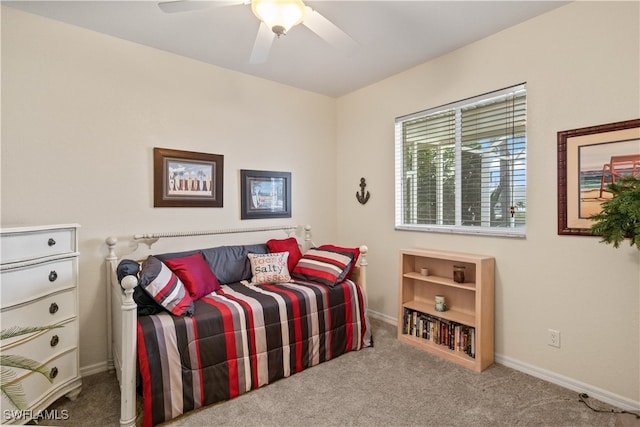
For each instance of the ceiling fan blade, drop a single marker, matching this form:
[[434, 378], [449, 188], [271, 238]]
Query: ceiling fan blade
[[262, 45], [177, 6], [328, 31]]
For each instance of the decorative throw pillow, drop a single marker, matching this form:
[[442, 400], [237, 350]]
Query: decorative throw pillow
[[286, 245], [269, 268], [230, 263], [146, 304], [165, 287], [127, 267], [323, 266], [195, 273], [346, 251]]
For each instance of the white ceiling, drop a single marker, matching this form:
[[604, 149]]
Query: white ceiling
[[392, 35]]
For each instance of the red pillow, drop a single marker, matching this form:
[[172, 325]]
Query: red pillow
[[286, 245], [340, 249], [195, 273]]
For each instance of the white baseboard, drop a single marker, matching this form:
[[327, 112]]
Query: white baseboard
[[93, 369], [383, 317], [569, 383], [552, 377]]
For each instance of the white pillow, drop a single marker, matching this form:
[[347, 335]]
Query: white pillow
[[269, 268]]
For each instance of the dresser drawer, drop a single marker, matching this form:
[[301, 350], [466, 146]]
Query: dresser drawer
[[46, 344], [33, 244], [19, 285], [49, 310], [61, 369]]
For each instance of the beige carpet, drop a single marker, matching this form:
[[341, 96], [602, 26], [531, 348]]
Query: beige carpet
[[392, 384]]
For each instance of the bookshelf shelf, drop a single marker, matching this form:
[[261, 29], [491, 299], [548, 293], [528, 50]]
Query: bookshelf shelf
[[440, 280], [464, 332], [428, 307], [442, 351]]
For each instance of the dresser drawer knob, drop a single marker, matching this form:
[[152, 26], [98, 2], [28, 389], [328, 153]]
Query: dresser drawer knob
[[51, 242], [53, 308], [53, 276], [53, 373], [54, 341]]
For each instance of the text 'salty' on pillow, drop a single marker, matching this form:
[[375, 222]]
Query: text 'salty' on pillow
[[269, 268]]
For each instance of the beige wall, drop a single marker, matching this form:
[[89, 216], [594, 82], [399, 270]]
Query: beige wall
[[82, 111], [581, 65]]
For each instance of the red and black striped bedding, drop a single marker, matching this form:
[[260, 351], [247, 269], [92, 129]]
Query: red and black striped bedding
[[242, 338]]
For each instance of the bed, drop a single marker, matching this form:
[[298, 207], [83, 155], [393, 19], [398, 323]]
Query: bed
[[279, 307]]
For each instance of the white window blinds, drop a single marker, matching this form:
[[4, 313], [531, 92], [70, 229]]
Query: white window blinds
[[462, 167]]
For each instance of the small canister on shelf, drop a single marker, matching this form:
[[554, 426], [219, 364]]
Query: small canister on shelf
[[441, 305], [458, 273]]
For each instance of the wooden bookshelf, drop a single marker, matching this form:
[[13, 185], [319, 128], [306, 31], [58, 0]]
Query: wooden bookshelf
[[469, 304]]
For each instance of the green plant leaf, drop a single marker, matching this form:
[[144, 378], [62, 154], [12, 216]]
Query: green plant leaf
[[10, 385], [21, 362], [619, 218], [11, 388], [23, 330]]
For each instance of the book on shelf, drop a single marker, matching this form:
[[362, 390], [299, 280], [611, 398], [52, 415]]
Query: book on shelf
[[453, 335]]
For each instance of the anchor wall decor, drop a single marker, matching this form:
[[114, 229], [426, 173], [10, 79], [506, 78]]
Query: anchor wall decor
[[361, 196]]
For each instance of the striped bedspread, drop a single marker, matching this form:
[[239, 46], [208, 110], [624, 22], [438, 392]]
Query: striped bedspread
[[242, 338]]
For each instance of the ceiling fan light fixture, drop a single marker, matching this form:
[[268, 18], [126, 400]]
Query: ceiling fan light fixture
[[279, 15]]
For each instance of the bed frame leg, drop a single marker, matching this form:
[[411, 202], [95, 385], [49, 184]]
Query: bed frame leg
[[307, 242], [112, 258], [362, 280], [128, 375]]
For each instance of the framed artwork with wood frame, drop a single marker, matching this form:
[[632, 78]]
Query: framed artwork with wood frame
[[589, 159], [265, 194], [187, 179]]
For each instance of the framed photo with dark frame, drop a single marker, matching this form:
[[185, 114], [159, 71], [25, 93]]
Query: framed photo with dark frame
[[265, 194], [187, 179], [589, 159]]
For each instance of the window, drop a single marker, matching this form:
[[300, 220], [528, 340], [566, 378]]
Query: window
[[462, 167]]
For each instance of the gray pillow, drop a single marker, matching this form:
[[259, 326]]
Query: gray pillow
[[172, 255], [231, 264]]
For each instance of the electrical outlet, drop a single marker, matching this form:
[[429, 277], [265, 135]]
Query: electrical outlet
[[554, 338]]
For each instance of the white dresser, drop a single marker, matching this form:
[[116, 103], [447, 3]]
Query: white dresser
[[38, 287]]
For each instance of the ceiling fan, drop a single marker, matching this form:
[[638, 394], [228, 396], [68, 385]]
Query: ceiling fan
[[276, 18]]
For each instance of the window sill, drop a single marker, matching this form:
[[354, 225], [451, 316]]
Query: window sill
[[477, 231]]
